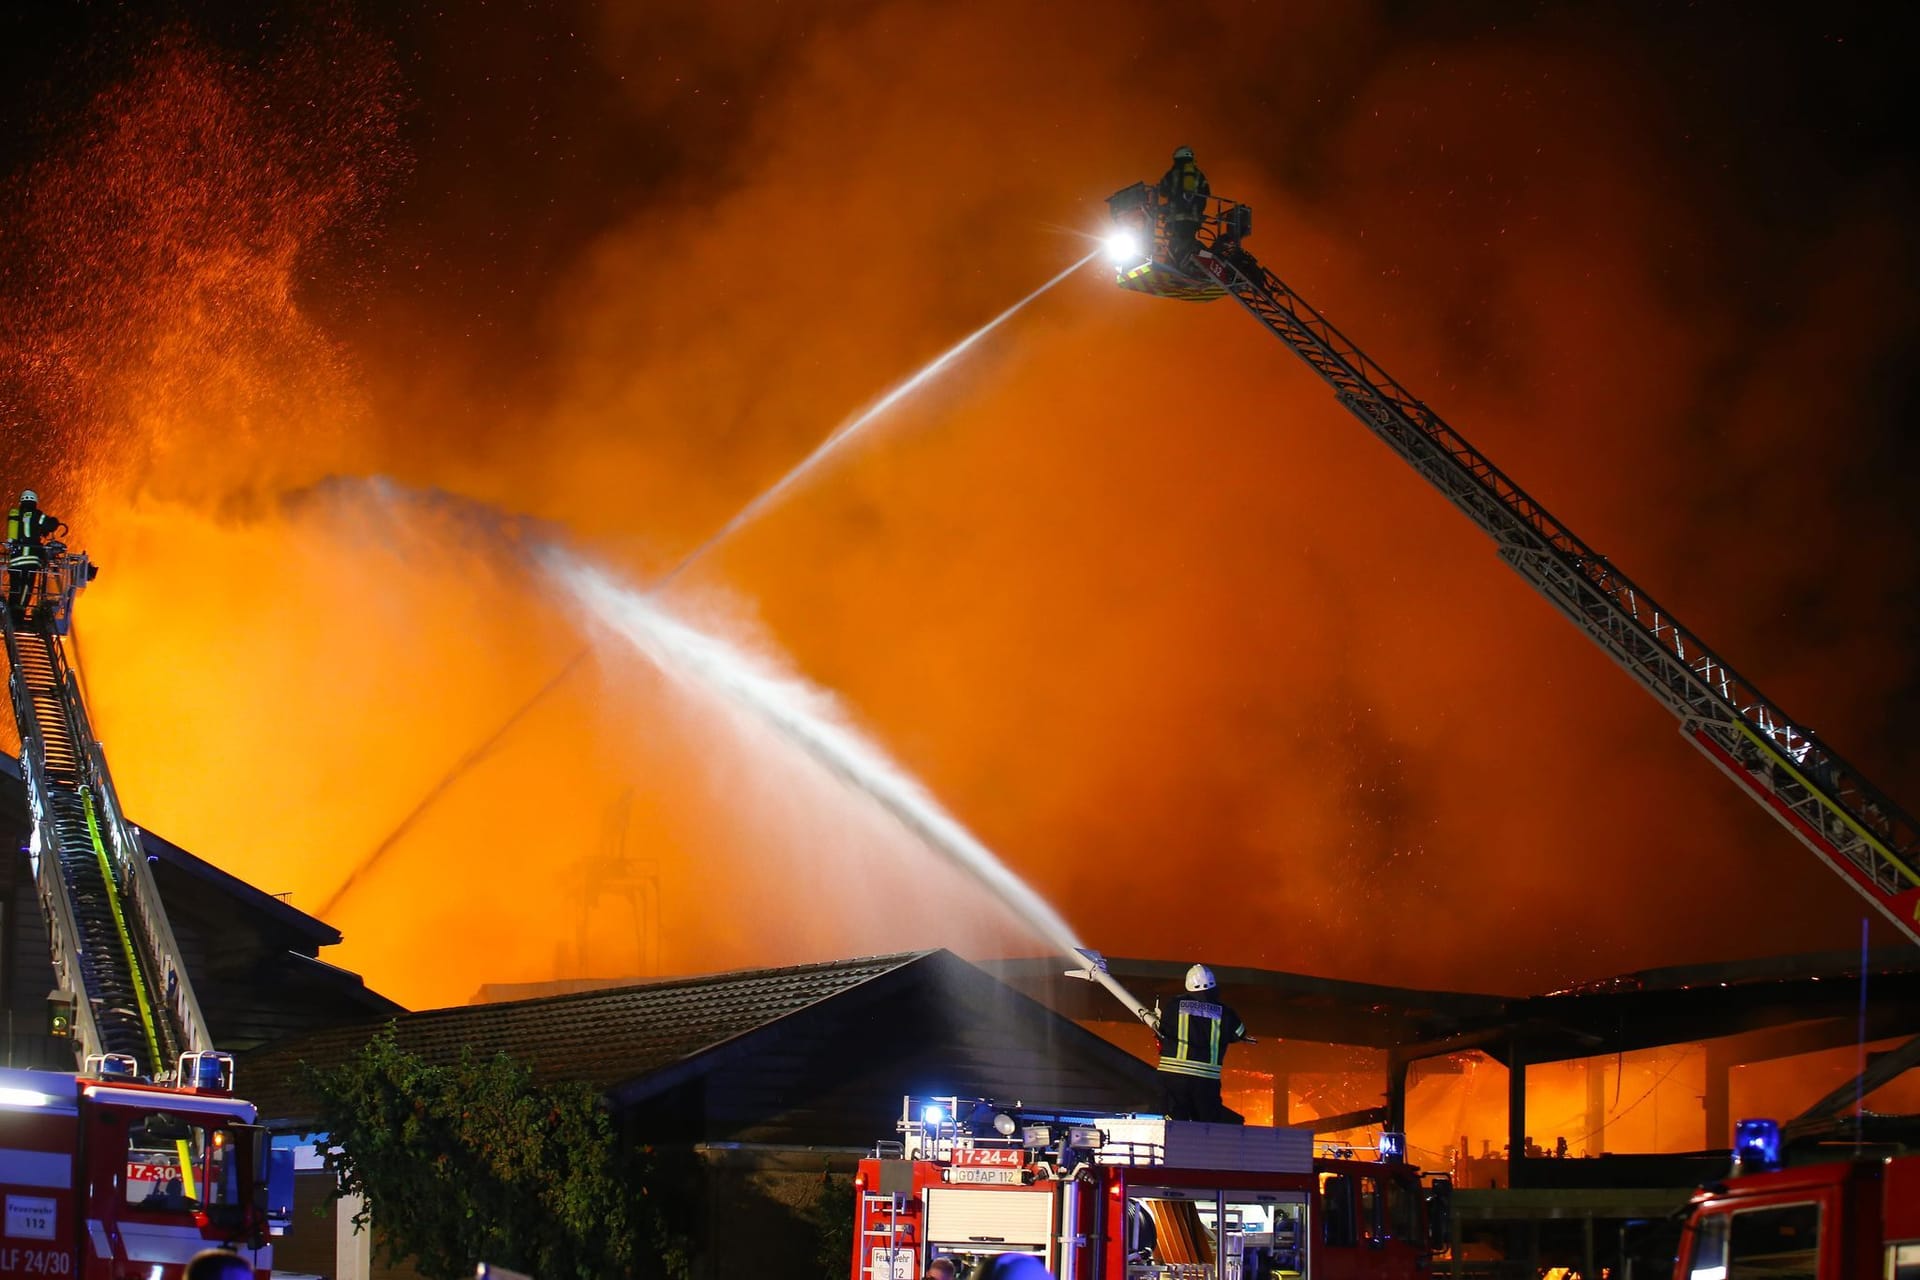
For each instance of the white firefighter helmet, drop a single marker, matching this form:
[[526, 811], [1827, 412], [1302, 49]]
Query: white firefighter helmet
[[29, 496], [1200, 978], [1182, 154]]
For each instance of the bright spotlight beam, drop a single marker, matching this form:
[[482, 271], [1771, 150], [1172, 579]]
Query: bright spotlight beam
[[928, 372]]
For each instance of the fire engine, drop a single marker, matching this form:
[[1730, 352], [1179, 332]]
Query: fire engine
[[1856, 1219], [1116, 1197], [107, 1177]]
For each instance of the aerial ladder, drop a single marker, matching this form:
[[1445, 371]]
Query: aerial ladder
[[1830, 805], [1833, 809], [115, 957]]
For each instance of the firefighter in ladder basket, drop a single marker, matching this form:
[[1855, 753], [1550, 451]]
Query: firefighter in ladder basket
[[1194, 1036], [28, 528], [1183, 194]]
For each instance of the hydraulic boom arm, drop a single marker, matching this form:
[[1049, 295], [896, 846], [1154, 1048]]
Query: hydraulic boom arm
[[1854, 827]]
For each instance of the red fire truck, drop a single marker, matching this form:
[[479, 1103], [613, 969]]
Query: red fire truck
[[1131, 1197], [109, 1178], [1855, 1219]]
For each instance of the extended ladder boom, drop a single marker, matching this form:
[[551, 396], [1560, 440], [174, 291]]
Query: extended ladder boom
[[1854, 827], [113, 947]]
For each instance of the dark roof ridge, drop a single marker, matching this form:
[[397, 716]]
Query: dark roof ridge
[[448, 1013], [316, 930], [897, 960], [720, 1049], [750, 1003]]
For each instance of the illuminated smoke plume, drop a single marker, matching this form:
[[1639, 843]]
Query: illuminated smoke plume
[[1135, 597]]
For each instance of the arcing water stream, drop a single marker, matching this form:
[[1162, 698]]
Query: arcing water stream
[[928, 372], [786, 700], [806, 718]]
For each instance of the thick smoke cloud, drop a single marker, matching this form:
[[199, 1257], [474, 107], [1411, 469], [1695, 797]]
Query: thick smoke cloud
[[1132, 594]]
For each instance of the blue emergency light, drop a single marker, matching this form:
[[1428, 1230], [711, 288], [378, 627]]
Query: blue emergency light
[[933, 1115], [206, 1069], [1756, 1146], [1393, 1147]]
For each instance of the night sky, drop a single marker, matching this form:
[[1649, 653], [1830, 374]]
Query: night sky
[[1130, 592]]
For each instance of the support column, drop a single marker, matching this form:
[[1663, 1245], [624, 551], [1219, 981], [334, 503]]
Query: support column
[[1396, 1092], [1516, 1111], [353, 1249], [1282, 1087], [1596, 1143], [1718, 1099]]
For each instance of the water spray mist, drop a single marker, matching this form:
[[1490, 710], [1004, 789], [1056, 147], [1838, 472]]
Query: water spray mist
[[806, 718], [893, 398]]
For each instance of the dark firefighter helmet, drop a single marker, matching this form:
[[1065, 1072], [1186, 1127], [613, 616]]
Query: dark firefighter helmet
[[1182, 154], [218, 1264]]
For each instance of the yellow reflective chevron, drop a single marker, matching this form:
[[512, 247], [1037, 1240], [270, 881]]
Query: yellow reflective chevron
[[1162, 281]]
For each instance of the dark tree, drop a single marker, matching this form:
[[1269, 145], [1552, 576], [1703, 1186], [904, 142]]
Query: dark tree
[[474, 1161]]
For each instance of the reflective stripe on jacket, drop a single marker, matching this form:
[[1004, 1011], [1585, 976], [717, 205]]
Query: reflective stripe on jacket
[[24, 531], [1194, 1037]]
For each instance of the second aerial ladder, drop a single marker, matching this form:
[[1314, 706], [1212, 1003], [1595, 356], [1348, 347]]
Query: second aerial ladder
[[113, 948]]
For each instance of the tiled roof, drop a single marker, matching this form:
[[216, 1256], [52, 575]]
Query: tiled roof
[[603, 1038]]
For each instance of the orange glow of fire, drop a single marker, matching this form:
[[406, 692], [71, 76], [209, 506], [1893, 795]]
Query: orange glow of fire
[[1130, 592]]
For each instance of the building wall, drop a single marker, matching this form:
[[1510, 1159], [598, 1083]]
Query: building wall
[[319, 1241], [759, 1212], [26, 971], [309, 1247]]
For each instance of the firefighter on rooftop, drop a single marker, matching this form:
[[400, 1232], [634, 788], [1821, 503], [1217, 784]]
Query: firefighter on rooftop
[[1194, 1036], [28, 527], [1183, 202]]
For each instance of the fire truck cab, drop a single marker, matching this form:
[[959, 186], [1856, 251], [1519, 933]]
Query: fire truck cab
[[1851, 1219], [1108, 1197], [110, 1178]]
